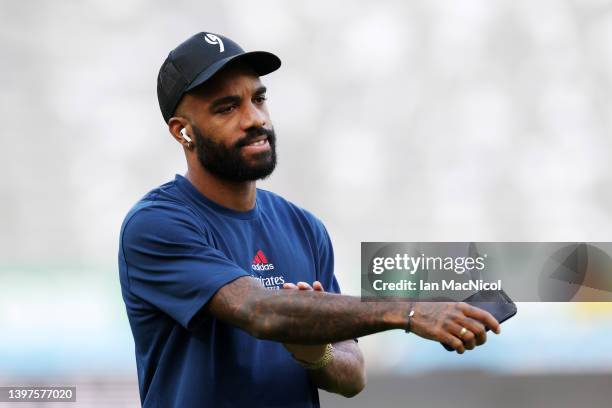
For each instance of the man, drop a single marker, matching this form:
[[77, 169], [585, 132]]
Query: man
[[199, 255]]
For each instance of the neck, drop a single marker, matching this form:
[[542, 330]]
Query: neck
[[238, 196]]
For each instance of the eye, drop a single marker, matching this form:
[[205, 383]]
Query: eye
[[226, 109], [259, 99]]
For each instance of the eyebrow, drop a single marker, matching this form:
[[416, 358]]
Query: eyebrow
[[234, 98], [261, 90]]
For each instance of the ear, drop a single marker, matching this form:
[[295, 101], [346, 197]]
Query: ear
[[175, 124]]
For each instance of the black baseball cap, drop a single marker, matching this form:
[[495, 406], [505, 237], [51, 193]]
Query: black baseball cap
[[197, 59]]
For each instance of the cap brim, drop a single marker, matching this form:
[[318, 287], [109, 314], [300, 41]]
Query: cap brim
[[261, 62]]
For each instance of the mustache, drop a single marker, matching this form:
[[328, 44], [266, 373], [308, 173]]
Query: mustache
[[253, 133]]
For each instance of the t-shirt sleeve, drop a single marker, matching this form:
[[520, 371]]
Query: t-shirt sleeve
[[170, 263], [326, 260], [326, 263]]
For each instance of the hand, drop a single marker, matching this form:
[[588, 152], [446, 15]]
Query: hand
[[308, 353], [443, 322]]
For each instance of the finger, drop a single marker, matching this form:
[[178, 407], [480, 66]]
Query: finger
[[482, 316], [477, 328], [468, 339], [304, 286], [453, 342], [289, 286], [316, 285], [474, 326]]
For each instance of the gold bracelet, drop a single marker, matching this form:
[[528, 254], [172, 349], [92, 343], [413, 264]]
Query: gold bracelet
[[327, 357]]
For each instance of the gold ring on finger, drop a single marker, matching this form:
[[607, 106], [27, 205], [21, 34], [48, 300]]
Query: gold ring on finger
[[462, 332]]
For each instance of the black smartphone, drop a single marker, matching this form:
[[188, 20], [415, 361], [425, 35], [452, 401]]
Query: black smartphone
[[496, 302]]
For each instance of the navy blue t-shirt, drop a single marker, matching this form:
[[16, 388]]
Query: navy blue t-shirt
[[177, 248]]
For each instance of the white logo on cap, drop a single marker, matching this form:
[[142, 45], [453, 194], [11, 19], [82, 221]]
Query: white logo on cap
[[213, 40]]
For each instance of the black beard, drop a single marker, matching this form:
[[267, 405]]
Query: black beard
[[227, 162]]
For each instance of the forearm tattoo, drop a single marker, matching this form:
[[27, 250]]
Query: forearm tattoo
[[302, 317]]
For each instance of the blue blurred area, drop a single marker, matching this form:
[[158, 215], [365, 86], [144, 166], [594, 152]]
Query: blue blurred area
[[63, 321]]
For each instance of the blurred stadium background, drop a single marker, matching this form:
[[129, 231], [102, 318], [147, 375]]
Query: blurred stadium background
[[429, 120]]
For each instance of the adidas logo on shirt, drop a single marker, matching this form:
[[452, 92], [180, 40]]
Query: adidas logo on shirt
[[260, 262], [270, 280]]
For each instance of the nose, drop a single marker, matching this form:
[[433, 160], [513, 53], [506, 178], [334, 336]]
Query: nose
[[253, 116]]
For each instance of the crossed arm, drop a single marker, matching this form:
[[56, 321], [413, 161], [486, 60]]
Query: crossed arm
[[301, 317], [313, 318]]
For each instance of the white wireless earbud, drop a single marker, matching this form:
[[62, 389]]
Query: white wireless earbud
[[184, 134]]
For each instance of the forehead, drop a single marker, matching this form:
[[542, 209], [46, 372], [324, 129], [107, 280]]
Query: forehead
[[229, 81]]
